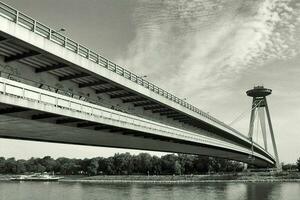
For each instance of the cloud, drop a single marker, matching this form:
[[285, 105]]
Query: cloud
[[196, 47]]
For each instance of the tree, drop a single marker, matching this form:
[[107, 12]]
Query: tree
[[21, 168], [186, 162], [49, 163], [298, 164], [110, 168], [177, 168], [143, 163], [201, 164], [156, 165], [169, 165], [2, 165], [123, 163], [68, 166], [31, 165], [10, 166], [92, 168]]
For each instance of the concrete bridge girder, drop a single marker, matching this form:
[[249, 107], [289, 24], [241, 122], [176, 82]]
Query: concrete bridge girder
[[84, 65], [18, 94]]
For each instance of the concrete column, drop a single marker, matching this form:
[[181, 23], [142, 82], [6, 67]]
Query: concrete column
[[278, 165], [261, 115]]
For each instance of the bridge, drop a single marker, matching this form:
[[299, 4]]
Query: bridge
[[56, 90]]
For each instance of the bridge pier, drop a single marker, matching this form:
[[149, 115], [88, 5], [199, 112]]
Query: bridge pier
[[259, 105]]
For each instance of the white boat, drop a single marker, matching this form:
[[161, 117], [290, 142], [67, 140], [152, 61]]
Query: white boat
[[36, 177]]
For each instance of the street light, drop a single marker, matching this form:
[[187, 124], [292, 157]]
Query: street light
[[60, 30]]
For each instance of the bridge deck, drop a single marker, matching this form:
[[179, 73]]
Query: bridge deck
[[48, 116]]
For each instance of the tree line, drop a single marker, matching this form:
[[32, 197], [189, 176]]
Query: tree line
[[126, 164], [121, 164], [292, 167]]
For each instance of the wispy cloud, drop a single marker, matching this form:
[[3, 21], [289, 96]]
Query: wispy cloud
[[191, 47]]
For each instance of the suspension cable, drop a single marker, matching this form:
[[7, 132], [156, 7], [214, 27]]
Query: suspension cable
[[257, 126], [241, 116]]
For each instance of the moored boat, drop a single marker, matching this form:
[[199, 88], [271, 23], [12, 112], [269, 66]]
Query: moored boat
[[36, 177]]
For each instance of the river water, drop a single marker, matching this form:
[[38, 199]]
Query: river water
[[203, 191]]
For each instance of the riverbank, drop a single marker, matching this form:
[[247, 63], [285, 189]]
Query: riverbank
[[239, 177], [182, 179]]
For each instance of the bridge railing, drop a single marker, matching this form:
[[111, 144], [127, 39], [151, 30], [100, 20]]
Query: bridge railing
[[68, 93], [60, 39]]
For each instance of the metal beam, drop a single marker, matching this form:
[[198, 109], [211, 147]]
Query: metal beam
[[108, 90], [134, 100], [13, 110], [184, 120], [128, 132], [87, 124], [68, 120], [100, 82], [178, 118], [168, 113], [102, 127], [52, 67], [3, 39], [123, 95], [44, 116], [75, 76], [152, 108], [175, 115], [21, 56], [114, 130], [145, 104], [162, 110]]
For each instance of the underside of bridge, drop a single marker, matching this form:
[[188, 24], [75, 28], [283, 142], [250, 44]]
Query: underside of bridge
[[37, 56], [28, 124]]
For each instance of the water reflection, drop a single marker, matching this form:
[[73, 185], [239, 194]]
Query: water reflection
[[262, 190], [203, 191]]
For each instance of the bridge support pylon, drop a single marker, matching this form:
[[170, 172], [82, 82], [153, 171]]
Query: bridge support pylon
[[260, 106]]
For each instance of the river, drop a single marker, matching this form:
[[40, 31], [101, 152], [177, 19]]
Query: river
[[203, 191]]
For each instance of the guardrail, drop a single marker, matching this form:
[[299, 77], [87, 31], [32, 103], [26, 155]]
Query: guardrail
[[60, 39], [67, 93]]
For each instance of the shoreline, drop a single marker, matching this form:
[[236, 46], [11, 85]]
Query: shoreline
[[176, 181]]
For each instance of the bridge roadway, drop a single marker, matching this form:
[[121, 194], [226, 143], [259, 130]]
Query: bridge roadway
[[54, 89]]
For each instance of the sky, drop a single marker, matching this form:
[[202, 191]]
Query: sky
[[207, 51]]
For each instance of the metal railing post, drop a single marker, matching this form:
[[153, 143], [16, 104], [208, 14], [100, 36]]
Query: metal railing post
[[4, 88], [77, 48], [34, 26], [17, 17], [88, 54], [50, 34]]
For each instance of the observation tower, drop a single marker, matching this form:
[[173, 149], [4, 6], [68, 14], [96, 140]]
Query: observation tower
[[259, 108]]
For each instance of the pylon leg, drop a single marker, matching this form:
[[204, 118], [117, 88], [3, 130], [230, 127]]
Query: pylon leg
[[272, 135], [261, 115], [252, 118]]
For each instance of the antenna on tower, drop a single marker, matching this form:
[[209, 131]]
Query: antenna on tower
[[259, 104]]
